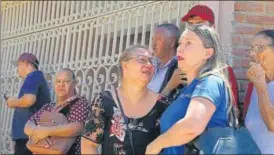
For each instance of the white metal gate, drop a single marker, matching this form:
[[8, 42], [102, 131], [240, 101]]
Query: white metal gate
[[86, 36]]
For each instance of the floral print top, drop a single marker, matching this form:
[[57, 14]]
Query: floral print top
[[105, 125]]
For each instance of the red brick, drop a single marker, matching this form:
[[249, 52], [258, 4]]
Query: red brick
[[245, 63], [237, 63], [236, 40], [241, 29], [269, 7], [241, 63], [240, 52], [255, 19], [249, 6], [239, 17], [247, 40], [240, 74], [244, 29]]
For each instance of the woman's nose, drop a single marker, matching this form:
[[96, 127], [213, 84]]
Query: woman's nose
[[180, 49], [149, 66]]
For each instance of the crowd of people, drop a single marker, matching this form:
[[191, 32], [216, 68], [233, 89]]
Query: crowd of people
[[165, 99]]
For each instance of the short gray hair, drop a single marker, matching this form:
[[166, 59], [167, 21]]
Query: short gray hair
[[173, 30], [73, 77]]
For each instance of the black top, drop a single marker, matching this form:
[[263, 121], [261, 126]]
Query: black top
[[172, 67], [105, 125]]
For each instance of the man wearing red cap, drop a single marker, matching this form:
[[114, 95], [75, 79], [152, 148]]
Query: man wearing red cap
[[34, 93], [203, 15]]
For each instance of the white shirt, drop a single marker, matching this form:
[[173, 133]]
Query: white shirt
[[256, 125], [159, 76]]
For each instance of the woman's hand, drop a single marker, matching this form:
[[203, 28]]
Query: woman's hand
[[46, 142], [153, 148], [256, 74], [178, 77], [40, 133]]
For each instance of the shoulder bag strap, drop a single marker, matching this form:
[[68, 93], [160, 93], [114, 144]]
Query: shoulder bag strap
[[70, 101], [125, 121]]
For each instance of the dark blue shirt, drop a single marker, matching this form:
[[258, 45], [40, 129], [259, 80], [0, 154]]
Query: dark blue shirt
[[211, 87], [36, 84]]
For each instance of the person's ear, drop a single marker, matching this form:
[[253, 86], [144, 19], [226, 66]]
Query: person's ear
[[209, 53], [74, 83], [124, 67], [172, 42]]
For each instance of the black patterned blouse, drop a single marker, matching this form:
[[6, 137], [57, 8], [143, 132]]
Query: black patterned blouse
[[105, 126]]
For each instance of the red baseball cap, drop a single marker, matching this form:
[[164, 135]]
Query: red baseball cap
[[27, 57], [202, 11]]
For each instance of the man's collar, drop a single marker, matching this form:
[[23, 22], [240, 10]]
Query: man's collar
[[167, 64]]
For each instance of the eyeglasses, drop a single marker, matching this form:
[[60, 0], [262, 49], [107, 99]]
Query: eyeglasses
[[63, 81], [144, 60], [259, 48]]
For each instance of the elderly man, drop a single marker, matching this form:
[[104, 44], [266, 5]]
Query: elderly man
[[34, 93], [164, 45]]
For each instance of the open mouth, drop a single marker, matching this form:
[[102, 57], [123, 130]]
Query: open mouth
[[147, 72], [60, 90]]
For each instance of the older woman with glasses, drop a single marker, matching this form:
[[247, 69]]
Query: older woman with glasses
[[128, 127], [76, 113], [260, 113], [203, 102]]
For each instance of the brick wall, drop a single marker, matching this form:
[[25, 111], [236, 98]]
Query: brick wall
[[249, 18]]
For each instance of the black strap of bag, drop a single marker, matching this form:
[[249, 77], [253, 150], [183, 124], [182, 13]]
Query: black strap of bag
[[125, 121]]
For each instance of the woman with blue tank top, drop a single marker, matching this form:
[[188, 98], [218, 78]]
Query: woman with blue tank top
[[202, 102]]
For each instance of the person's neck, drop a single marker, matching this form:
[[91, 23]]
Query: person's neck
[[132, 93], [167, 58], [191, 75], [63, 99], [60, 101], [28, 71], [269, 78]]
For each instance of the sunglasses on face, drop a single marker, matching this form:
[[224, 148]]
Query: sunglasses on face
[[145, 60], [259, 48]]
